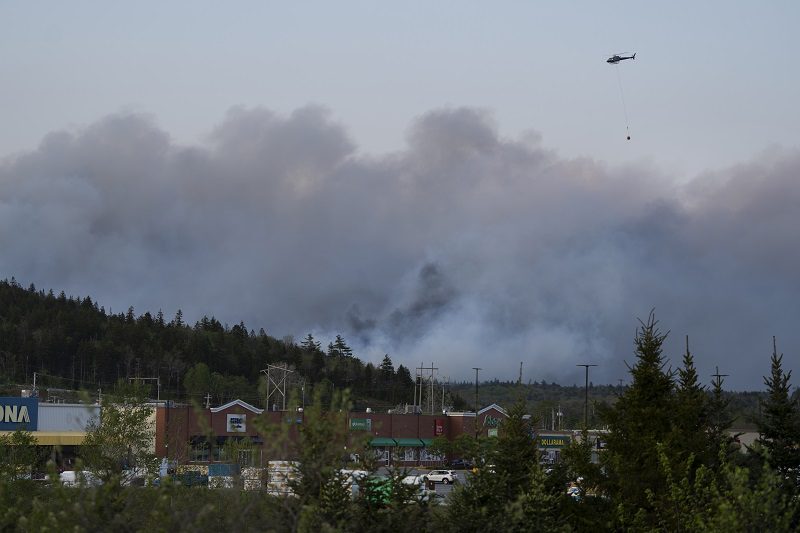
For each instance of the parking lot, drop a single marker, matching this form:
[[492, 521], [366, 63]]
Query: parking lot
[[441, 488]]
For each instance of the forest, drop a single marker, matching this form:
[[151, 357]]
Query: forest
[[73, 343], [669, 464]]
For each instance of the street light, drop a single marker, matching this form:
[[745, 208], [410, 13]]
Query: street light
[[586, 397], [476, 369]]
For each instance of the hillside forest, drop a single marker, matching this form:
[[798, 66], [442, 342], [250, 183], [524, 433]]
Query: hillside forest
[[73, 343]]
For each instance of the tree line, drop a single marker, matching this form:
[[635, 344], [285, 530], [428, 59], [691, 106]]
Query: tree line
[[74, 343], [668, 464]]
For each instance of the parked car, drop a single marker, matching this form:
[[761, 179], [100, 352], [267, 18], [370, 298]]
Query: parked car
[[412, 480], [441, 476], [71, 478], [461, 464]]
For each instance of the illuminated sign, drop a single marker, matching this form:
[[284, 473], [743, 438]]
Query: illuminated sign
[[19, 413], [237, 423], [553, 441], [360, 424]]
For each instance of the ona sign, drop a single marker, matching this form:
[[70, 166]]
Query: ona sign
[[19, 413]]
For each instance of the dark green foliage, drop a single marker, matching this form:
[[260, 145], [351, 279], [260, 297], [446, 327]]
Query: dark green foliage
[[73, 344], [780, 426], [18, 455], [691, 434], [720, 499], [639, 420], [117, 446], [509, 492]]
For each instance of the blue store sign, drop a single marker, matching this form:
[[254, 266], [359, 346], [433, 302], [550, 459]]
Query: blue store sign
[[19, 413]]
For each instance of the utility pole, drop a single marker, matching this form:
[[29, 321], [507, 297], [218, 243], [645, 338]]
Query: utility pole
[[158, 384], [586, 397], [430, 385], [718, 376], [718, 390], [476, 369]]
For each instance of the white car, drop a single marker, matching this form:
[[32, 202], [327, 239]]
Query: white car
[[71, 478], [412, 480], [441, 476]]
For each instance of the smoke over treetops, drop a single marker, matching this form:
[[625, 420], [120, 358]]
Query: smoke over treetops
[[465, 248]]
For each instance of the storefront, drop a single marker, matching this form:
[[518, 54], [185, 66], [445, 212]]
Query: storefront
[[551, 444], [58, 427]]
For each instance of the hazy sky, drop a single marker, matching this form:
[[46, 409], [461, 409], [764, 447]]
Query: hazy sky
[[445, 181]]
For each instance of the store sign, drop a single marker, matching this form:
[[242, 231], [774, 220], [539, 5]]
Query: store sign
[[19, 413], [237, 423], [492, 432], [360, 424], [438, 427], [553, 441], [491, 421]]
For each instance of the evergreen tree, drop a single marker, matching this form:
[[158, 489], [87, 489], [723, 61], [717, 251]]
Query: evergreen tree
[[340, 348], [511, 495], [779, 427], [639, 420], [720, 420], [386, 379], [309, 344], [405, 385], [689, 435]]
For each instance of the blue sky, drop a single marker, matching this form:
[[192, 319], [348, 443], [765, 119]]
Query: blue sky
[[445, 181]]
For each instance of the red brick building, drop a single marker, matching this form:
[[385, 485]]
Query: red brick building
[[202, 435]]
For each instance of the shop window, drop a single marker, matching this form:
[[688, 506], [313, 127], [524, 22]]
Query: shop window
[[245, 458], [382, 454], [425, 455], [199, 452], [408, 454]]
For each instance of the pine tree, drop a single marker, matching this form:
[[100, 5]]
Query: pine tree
[[719, 421], [341, 348], [309, 344], [689, 435], [779, 427], [639, 420]]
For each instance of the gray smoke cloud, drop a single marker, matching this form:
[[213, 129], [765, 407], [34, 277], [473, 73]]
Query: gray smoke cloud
[[463, 249]]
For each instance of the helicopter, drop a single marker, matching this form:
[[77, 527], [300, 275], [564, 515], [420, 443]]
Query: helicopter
[[616, 58]]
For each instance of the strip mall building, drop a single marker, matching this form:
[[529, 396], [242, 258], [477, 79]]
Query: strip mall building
[[187, 435]]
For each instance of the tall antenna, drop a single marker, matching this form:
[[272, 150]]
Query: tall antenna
[[520, 373]]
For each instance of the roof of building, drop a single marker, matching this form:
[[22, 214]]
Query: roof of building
[[493, 406], [240, 403]]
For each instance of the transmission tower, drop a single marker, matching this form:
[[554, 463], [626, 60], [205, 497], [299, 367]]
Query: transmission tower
[[276, 383]]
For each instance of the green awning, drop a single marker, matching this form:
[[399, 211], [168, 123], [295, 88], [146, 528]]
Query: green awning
[[382, 441], [409, 443], [427, 442]]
